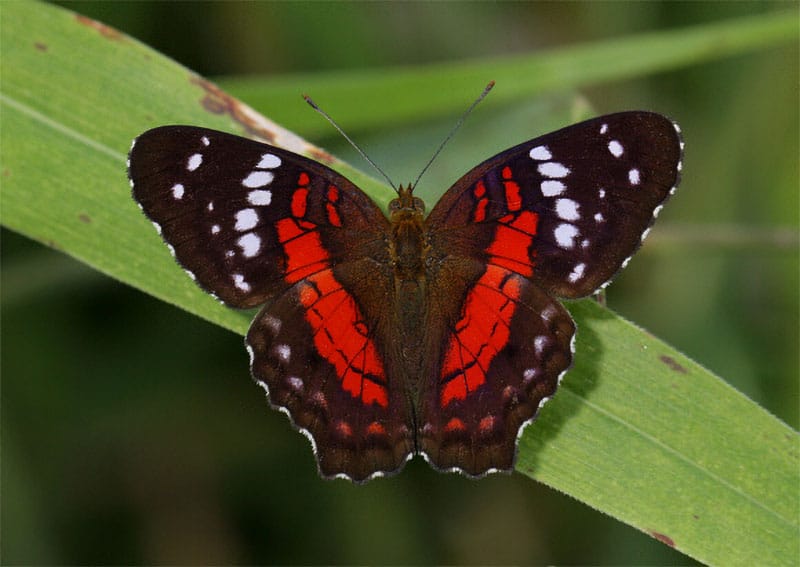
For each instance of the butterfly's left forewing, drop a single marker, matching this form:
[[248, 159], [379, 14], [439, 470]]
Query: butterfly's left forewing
[[255, 224], [556, 216]]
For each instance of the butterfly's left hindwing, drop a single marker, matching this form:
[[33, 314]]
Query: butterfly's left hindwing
[[506, 349], [255, 224]]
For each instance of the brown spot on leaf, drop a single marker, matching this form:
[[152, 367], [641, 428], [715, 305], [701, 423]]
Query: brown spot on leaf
[[84, 218], [40, 46], [218, 101], [106, 31], [321, 155], [663, 538], [669, 361]]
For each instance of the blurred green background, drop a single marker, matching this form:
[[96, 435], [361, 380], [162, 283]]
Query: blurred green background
[[131, 432]]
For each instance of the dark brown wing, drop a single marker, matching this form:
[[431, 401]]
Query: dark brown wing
[[256, 224], [556, 216]]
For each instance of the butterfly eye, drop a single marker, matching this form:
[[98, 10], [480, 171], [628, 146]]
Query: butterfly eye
[[394, 205], [419, 205]]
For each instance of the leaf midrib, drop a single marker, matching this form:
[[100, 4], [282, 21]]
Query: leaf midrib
[[680, 455]]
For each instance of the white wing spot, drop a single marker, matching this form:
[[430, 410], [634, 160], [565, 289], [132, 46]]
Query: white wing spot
[[157, 227], [260, 197], [250, 244], [205, 140], [633, 176], [552, 188], [657, 210], [602, 193], [210, 206], [539, 343], [585, 243], [565, 235], [530, 374], [604, 128], [553, 169], [547, 313], [190, 274], [295, 383], [645, 233], [246, 219], [229, 254], [615, 148], [567, 209], [273, 323], [171, 249], [240, 283], [284, 352], [540, 153], [215, 229], [577, 272], [194, 161], [269, 161], [177, 191], [599, 217], [258, 179]]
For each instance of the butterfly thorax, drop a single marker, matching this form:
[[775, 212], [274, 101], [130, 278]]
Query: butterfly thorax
[[407, 246], [408, 251]]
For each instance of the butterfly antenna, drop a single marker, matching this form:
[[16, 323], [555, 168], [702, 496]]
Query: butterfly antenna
[[455, 129], [324, 114]]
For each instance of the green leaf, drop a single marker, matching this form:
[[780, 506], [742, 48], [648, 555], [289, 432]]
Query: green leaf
[[637, 430], [650, 437], [518, 77]]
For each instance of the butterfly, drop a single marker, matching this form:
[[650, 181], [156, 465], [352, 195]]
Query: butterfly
[[384, 337]]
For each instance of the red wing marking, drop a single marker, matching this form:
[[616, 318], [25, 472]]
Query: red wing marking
[[480, 207], [513, 197], [299, 202], [480, 334], [330, 207], [344, 429], [376, 428], [303, 249], [486, 424], [340, 335], [512, 242], [455, 424]]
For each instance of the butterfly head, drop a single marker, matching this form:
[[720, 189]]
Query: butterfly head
[[406, 205]]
